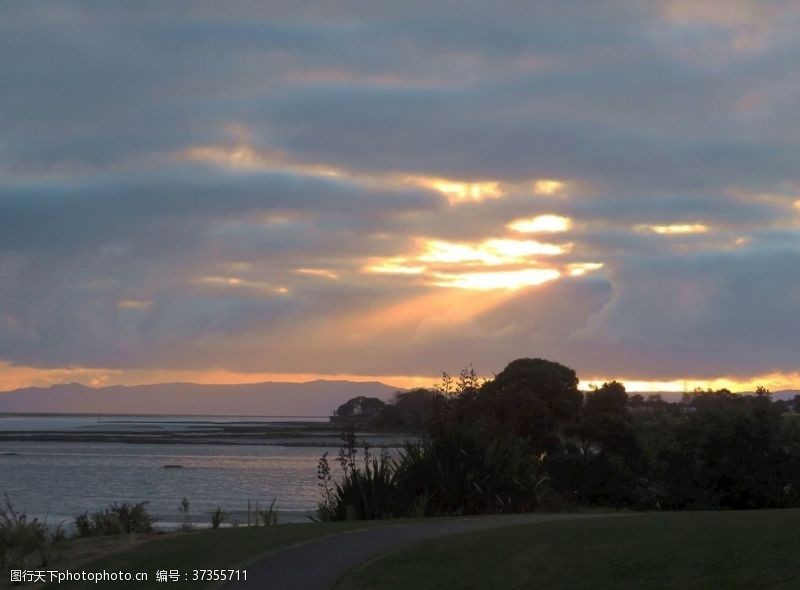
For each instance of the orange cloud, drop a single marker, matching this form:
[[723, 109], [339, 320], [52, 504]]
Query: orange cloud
[[317, 272], [134, 304], [240, 154], [238, 283], [680, 228], [548, 186], [458, 191]]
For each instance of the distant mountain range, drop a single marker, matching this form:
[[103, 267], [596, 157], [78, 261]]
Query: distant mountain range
[[314, 398]]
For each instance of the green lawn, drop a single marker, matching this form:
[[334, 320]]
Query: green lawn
[[689, 550], [209, 549]]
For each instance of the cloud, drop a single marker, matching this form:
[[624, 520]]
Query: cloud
[[399, 188], [716, 313]]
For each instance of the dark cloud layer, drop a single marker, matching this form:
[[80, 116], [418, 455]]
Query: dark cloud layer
[[207, 185]]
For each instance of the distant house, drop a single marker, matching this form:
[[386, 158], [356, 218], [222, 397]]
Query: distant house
[[358, 409]]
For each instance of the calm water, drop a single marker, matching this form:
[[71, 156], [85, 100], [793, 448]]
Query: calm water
[[82, 422], [60, 479]]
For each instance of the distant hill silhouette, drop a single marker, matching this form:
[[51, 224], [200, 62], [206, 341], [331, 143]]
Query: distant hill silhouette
[[314, 398]]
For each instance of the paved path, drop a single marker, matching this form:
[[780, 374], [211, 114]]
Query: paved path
[[318, 564]]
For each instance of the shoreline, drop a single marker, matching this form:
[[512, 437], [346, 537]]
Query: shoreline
[[187, 430], [250, 433], [60, 438]]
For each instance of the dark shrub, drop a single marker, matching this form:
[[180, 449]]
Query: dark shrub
[[462, 471], [458, 471], [24, 543], [116, 519]]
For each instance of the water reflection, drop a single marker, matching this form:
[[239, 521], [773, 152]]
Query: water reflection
[[61, 480]]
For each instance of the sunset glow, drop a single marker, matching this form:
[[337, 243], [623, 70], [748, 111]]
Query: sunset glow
[[12, 377], [491, 252], [398, 266], [488, 281], [579, 269], [461, 191], [694, 228], [772, 381]]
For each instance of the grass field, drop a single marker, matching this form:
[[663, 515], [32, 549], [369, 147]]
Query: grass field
[[689, 550], [208, 549]]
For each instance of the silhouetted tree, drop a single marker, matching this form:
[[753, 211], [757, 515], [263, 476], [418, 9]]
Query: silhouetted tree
[[410, 409], [734, 452], [534, 398], [492, 445], [605, 423], [601, 466]]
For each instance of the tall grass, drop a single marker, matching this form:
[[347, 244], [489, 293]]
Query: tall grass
[[269, 516], [367, 488], [218, 517], [115, 519], [25, 543], [457, 471]]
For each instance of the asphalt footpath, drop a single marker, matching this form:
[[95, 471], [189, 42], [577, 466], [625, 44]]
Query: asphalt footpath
[[317, 565]]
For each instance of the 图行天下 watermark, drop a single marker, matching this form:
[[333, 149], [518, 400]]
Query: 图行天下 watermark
[[164, 576], [58, 577]]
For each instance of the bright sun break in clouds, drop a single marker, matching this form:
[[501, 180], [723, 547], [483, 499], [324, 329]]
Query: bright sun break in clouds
[[453, 264], [541, 224], [460, 191], [488, 281], [491, 252]]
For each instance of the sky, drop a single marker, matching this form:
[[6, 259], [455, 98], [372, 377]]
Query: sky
[[229, 192]]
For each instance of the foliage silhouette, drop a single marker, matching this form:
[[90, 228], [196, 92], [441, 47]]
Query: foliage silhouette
[[529, 438]]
